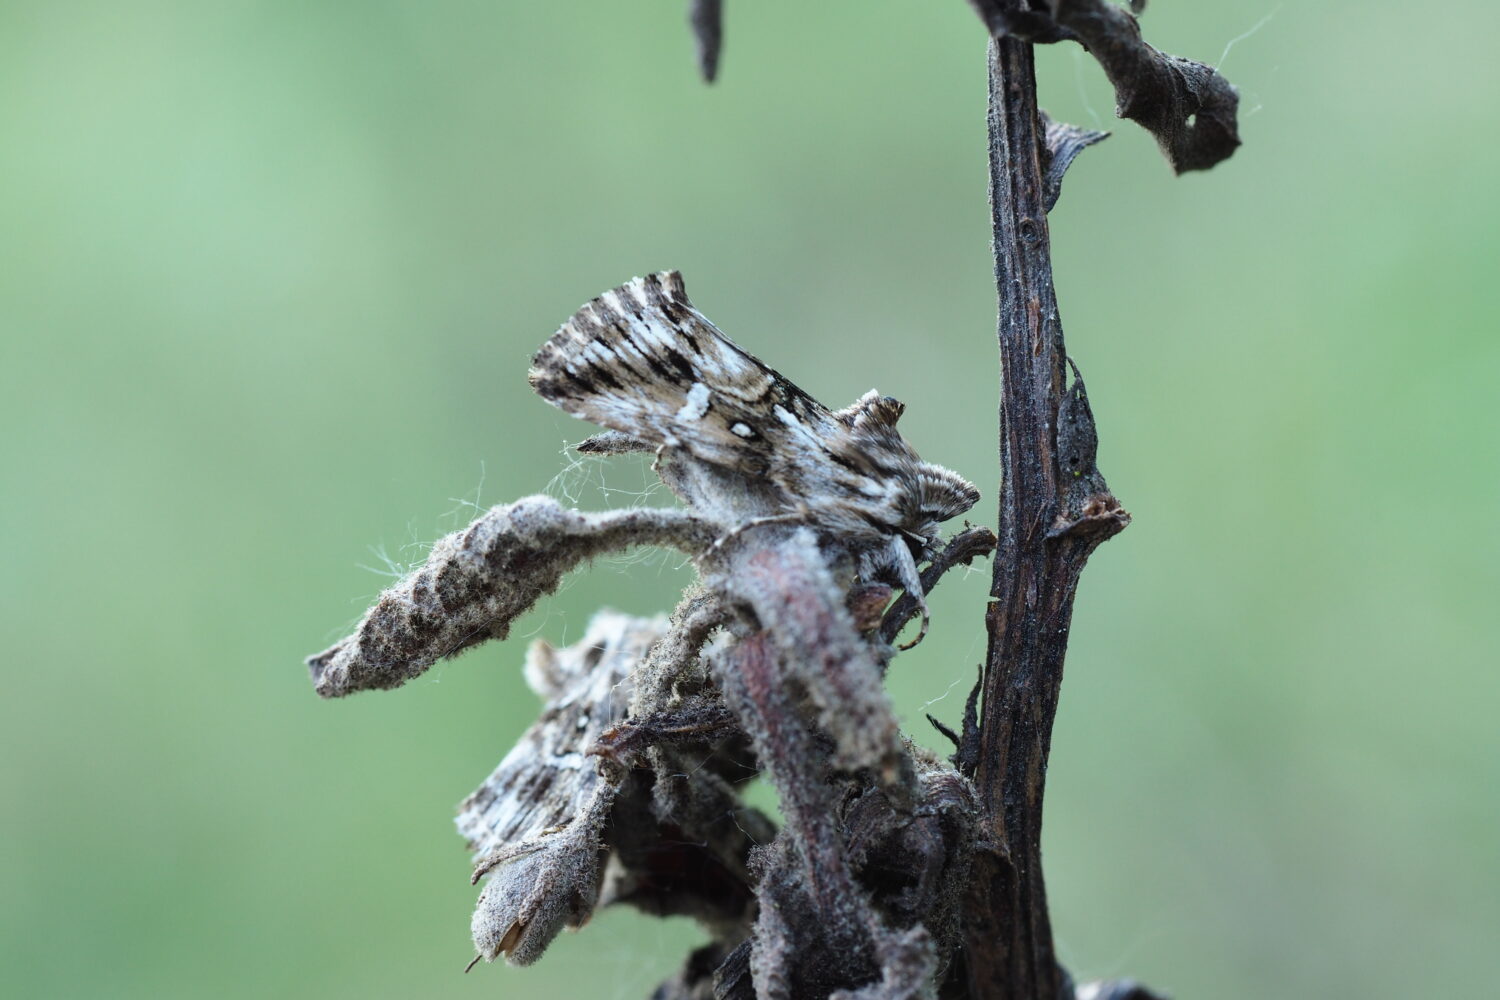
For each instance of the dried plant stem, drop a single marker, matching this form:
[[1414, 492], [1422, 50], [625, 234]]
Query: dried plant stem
[[1054, 510]]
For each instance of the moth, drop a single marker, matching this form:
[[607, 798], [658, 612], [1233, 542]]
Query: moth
[[738, 441]]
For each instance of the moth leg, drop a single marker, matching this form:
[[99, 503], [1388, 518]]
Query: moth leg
[[962, 549], [906, 573]]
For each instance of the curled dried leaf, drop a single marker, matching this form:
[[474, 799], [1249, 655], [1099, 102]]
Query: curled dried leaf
[[1188, 106], [477, 581], [1063, 144]]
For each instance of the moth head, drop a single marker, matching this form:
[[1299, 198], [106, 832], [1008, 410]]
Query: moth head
[[941, 494], [927, 494]]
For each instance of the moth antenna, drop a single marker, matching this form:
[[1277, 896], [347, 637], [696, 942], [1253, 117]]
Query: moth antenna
[[911, 582]]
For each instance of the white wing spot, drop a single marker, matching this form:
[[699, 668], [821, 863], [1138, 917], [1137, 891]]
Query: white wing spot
[[743, 430], [697, 403]]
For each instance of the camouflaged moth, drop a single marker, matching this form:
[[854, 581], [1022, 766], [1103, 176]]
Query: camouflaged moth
[[740, 443]]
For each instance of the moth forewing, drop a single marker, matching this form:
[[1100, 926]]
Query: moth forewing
[[643, 362]]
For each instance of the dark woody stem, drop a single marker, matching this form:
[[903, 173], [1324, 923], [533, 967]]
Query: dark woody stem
[[1054, 510]]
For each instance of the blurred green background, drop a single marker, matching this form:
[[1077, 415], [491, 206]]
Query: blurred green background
[[270, 275]]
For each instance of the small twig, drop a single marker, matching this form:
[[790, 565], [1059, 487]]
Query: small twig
[[625, 742], [966, 742]]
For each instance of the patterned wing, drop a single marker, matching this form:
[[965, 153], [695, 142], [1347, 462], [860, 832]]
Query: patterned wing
[[641, 360]]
